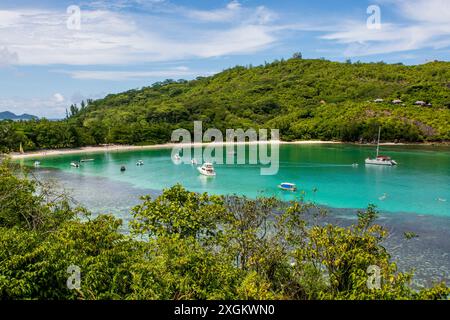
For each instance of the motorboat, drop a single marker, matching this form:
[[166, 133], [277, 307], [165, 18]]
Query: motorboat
[[207, 170], [286, 186], [380, 160], [123, 168]]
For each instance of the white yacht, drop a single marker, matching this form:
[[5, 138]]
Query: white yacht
[[207, 170], [380, 160]]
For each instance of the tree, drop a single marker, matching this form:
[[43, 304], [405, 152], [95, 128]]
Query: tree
[[178, 212], [297, 55]]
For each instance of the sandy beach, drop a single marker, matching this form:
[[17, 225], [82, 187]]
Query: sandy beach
[[118, 148]]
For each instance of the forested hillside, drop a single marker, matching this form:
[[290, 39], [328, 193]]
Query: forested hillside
[[305, 99]]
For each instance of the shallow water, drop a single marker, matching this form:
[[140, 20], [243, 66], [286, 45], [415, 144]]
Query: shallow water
[[407, 195], [420, 184]]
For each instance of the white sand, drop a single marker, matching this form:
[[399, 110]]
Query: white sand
[[116, 148]]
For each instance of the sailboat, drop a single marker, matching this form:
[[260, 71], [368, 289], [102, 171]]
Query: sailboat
[[380, 160]]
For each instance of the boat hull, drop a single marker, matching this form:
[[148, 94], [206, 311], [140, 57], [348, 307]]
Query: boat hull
[[206, 173], [389, 163], [288, 187]]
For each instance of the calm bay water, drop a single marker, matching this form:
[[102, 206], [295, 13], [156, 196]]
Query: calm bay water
[[413, 197], [419, 184]]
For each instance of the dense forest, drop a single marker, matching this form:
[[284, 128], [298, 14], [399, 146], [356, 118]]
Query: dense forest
[[185, 245], [305, 99]]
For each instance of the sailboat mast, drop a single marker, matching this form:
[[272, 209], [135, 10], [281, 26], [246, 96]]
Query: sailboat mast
[[378, 144]]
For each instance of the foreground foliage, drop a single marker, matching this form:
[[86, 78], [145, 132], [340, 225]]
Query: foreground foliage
[[185, 245], [305, 99]]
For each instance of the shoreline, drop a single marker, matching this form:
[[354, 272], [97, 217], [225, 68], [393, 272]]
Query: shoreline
[[118, 148]]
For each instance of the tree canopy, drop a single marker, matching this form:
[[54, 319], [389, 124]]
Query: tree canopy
[[185, 245]]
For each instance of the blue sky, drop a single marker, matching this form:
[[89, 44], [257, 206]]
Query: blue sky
[[123, 44]]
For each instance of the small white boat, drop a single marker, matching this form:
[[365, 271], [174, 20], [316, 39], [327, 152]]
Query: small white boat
[[140, 163], [288, 186], [381, 160], [207, 170], [75, 164], [37, 164]]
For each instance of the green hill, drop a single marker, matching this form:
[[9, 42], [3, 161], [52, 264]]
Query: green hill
[[305, 99]]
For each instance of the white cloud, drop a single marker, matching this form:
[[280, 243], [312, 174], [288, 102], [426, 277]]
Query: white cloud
[[231, 12], [58, 97], [428, 11], [127, 75], [234, 12], [38, 106], [233, 5], [123, 4], [40, 37], [7, 57], [425, 24]]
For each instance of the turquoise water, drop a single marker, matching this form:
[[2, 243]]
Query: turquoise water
[[324, 173]]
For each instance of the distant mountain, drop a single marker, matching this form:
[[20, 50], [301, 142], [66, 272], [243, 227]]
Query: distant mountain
[[11, 116]]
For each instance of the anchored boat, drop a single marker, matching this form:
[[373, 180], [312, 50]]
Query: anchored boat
[[381, 160], [288, 186], [207, 170]]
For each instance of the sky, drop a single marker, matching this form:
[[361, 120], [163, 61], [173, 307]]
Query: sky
[[54, 53]]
